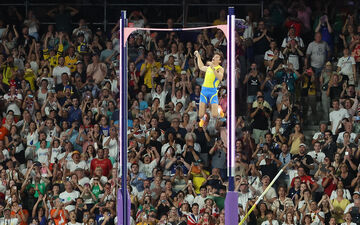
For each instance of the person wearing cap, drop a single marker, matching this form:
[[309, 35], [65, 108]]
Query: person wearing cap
[[304, 160], [79, 71], [96, 70], [76, 163]]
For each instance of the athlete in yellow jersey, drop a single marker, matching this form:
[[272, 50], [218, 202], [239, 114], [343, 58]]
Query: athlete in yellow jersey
[[214, 73]]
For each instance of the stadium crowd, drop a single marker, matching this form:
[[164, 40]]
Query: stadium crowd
[[297, 66]]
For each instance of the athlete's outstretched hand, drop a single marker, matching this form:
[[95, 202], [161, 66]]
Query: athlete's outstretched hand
[[197, 54]]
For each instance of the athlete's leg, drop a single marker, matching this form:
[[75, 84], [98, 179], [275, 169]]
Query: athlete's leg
[[214, 110], [202, 108]]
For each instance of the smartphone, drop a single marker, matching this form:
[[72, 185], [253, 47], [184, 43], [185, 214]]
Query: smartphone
[[346, 153]]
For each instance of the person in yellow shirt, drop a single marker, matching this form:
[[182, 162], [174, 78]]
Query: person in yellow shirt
[[71, 59], [30, 76], [214, 73], [222, 19], [149, 66], [170, 65], [51, 55], [198, 175], [8, 70]]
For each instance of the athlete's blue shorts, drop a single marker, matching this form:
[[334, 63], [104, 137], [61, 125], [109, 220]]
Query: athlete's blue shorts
[[209, 95]]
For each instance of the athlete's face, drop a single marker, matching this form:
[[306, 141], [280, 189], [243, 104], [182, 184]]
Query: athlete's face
[[216, 59]]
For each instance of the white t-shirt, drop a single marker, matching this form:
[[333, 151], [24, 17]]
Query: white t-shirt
[[76, 223], [32, 139], [13, 106], [58, 70], [11, 221], [336, 117], [287, 39], [175, 100], [55, 152], [113, 147], [346, 64], [42, 155], [200, 201], [340, 138], [66, 197], [269, 55], [72, 166], [177, 58], [274, 222], [147, 169], [161, 97], [320, 156]]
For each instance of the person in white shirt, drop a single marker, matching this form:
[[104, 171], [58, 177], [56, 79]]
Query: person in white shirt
[[69, 196], [200, 199], [111, 142], [76, 162], [178, 57], [292, 36], [270, 219], [42, 153], [244, 194], [272, 55], [348, 219], [337, 115], [60, 69], [347, 134], [347, 66], [72, 218], [317, 155], [148, 165], [160, 92], [317, 216], [7, 220]]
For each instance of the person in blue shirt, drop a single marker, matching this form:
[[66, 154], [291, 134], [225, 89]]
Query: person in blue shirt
[[286, 73], [75, 111], [142, 103], [137, 178]]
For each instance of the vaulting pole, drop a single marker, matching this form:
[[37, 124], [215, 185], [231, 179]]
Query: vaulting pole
[[263, 194], [231, 201], [123, 198]]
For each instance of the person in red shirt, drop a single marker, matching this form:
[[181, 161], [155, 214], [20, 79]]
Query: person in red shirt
[[105, 164], [59, 213], [306, 179], [18, 212]]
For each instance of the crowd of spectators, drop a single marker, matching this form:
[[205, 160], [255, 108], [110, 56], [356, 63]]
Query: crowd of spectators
[[59, 110]]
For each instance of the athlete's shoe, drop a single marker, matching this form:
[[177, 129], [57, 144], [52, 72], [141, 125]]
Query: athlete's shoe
[[221, 112], [203, 120]]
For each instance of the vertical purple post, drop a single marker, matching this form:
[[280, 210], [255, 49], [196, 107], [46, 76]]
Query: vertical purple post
[[123, 203], [231, 201]]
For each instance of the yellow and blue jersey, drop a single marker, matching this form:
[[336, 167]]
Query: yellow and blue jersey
[[209, 91], [210, 80]]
